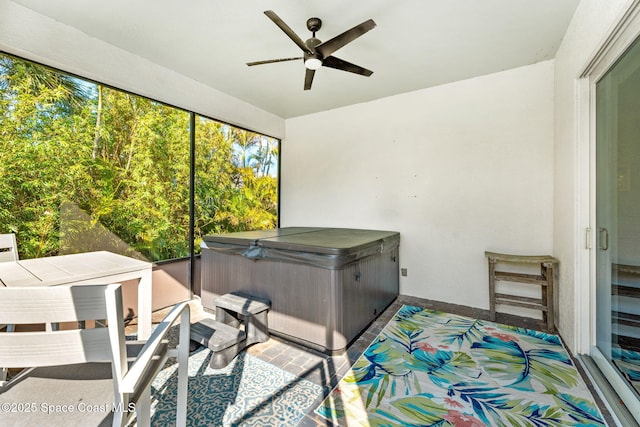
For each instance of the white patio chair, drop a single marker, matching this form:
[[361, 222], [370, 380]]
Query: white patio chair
[[70, 383], [8, 252], [8, 247]]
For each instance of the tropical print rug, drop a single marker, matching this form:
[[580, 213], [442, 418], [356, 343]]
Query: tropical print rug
[[628, 363], [247, 392], [428, 368]]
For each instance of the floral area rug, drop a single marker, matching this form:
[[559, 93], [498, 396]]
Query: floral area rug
[[247, 392], [428, 368]]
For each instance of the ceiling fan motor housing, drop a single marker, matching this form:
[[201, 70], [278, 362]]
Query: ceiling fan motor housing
[[312, 43], [312, 54]]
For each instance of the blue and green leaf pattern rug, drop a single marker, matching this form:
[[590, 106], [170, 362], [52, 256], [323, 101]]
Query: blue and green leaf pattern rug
[[428, 368], [628, 363]]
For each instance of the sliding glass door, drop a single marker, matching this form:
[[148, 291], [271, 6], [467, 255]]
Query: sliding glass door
[[618, 222]]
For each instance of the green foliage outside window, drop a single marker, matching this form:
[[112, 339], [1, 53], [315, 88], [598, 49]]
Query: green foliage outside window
[[86, 167]]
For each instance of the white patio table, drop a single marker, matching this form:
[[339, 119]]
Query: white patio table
[[83, 269]]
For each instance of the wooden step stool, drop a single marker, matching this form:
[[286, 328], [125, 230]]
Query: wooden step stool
[[544, 280], [224, 336]]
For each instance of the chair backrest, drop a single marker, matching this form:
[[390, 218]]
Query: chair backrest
[[77, 304], [57, 304], [8, 247]]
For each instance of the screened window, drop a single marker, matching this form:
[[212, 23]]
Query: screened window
[[236, 186], [86, 167]]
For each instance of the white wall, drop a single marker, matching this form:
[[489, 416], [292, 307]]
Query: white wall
[[42, 39], [592, 22], [456, 169]]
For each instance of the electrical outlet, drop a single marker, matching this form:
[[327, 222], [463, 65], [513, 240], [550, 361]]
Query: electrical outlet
[[403, 271]]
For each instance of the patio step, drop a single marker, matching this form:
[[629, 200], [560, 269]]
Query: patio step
[[224, 341], [236, 308], [241, 320]]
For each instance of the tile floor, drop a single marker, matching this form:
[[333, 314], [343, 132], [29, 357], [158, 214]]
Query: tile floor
[[327, 370]]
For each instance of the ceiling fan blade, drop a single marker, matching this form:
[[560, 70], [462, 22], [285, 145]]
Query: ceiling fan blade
[[287, 30], [270, 61], [308, 78], [330, 46], [341, 64]]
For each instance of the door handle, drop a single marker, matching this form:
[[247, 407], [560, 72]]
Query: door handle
[[604, 239]]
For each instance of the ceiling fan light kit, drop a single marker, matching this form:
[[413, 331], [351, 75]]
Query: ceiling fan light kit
[[312, 62], [316, 53]]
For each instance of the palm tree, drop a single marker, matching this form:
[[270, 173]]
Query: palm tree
[[265, 156], [18, 75], [244, 141], [96, 138]]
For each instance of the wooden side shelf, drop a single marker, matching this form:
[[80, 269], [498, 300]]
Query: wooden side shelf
[[544, 280]]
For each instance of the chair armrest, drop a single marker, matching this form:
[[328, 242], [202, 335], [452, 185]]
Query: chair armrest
[[150, 352]]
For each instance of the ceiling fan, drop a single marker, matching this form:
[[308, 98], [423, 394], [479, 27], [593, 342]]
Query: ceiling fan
[[317, 53]]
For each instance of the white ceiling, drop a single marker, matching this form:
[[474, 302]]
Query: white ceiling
[[416, 44]]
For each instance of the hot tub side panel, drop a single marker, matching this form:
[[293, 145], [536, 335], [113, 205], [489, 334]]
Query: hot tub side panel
[[368, 287], [300, 295]]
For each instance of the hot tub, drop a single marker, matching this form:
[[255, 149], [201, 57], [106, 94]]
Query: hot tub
[[325, 284]]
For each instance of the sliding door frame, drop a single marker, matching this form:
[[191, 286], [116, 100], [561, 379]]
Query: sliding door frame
[[613, 47]]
